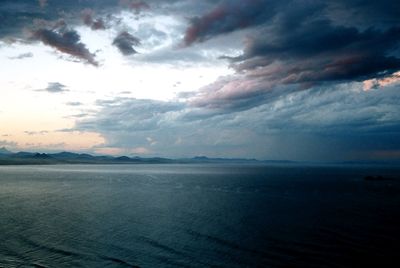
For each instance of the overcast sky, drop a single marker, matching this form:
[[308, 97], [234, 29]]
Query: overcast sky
[[297, 79]]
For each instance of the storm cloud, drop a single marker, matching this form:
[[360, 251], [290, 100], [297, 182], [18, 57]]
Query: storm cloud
[[126, 42], [227, 17], [297, 45], [319, 51], [66, 42]]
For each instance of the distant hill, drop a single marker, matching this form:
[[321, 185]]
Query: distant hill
[[29, 158], [3, 150]]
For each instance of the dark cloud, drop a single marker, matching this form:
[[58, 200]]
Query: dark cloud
[[298, 44], [16, 16], [319, 51], [95, 24], [135, 5], [87, 16], [303, 42], [59, 25], [66, 42], [55, 87], [365, 13], [42, 3], [125, 42], [98, 24], [227, 17]]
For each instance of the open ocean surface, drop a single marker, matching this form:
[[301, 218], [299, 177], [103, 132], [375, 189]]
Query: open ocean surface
[[198, 216]]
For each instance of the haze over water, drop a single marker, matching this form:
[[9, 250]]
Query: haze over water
[[198, 216]]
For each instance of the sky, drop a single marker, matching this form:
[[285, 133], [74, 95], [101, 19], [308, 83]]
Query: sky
[[304, 80]]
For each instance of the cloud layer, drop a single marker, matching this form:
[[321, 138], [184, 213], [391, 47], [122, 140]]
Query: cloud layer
[[309, 79], [301, 44], [329, 123]]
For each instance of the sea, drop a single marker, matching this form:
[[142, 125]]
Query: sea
[[200, 215]]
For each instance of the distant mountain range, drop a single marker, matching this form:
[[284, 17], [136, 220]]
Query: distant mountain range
[[28, 158]]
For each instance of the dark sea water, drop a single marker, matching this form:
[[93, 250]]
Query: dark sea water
[[198, 216]]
